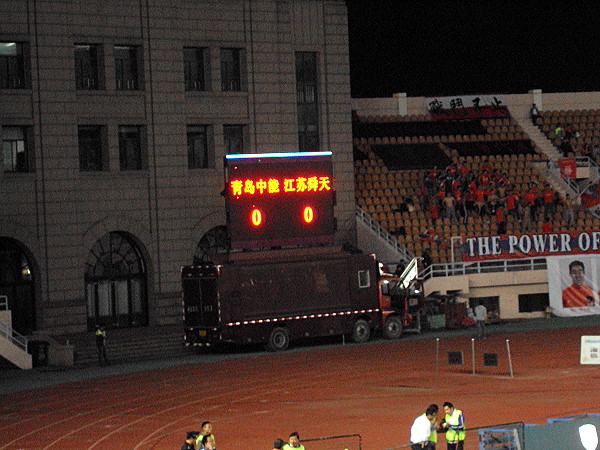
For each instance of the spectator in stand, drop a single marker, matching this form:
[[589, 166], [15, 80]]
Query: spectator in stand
[[569, 210], [500, 220], [547, 226], [530, 197], [548, 196], [433, 213], [461, 210], [480, 201], [277, 444], [427, 260], [449, 208], [484, 179], [534, 113], [526, 221], [559, 132]]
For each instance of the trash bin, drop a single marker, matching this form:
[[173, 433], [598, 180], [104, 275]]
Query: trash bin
[[39, 352]]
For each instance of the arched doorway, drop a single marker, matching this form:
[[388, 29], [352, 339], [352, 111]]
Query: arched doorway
[[115, 283], [213, 247], [16, 283]]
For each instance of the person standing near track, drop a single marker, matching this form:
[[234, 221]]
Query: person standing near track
[[454, 424], [206, 431], [190, 441], [293, 442], [420, 431], [101, 346], [480, 316], [434, 426]]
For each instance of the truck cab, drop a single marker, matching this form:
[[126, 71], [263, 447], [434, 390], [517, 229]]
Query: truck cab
[[401, 300]]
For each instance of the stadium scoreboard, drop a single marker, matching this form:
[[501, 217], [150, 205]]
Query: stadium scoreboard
[[279, 199]]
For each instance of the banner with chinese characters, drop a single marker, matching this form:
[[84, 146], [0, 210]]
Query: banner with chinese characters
[[573, 285], [530, 245], [467, 107]]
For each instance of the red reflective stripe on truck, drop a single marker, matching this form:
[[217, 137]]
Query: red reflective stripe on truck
[[312, 316]]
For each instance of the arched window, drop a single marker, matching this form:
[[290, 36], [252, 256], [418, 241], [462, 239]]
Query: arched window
[[213, 246], [16, 285], [115, 283]]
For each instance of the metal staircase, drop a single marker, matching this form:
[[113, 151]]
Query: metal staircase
[[551, 171], [13, 347], [378, 240]]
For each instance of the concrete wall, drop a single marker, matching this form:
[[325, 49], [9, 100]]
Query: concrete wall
[[518, 104], [507, 285], [58, 212]]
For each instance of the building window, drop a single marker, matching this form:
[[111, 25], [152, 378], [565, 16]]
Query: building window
[[92, 156], [231, 72], [307, 101], [127, 68], [87, 62], [533, 302], [16, 150], [12, 66], [131, 147], [233, 137], [194, 68], [198, 147], [115, 283]]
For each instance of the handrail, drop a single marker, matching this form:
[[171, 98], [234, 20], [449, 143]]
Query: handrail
[[383, 233], [486, 266], [17, 339], [3, 303]]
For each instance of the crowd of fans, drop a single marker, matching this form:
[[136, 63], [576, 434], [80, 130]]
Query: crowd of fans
[[460, 191]]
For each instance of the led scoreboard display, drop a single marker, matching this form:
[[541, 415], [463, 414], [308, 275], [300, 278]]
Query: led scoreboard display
[[277, 199]]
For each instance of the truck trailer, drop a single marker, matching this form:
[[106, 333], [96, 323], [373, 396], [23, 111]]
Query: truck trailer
[[276, 296]]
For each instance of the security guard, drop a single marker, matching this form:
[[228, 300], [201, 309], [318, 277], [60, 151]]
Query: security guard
[[454, 424], [293, 442], [434, 427]]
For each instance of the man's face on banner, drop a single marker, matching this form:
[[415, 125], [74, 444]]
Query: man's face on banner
[[577, 275]]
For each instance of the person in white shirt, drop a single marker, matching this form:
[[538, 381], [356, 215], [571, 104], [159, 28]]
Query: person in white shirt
[[480, 316], [421, 430]]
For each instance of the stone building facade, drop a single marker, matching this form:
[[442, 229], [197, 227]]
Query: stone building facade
[[114, 120]]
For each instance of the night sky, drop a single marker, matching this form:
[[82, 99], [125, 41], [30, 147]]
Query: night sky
[[463, 47]]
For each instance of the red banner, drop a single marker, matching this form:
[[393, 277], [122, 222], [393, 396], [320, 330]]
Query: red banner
[[509, 246], [568, 167]]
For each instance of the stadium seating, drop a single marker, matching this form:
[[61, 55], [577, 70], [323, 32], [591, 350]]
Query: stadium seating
[[394, 154]]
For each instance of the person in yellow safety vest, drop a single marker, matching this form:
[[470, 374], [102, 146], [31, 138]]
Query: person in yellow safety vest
[[434, 426], [454, 424], [206, 429], [293, 442]]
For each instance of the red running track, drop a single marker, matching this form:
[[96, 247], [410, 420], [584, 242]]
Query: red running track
[[375, 390]]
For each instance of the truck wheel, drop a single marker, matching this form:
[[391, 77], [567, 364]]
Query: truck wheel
[[279, 339], [392, 328], [362, 331]]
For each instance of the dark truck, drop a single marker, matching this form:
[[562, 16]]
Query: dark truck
[[280, 295]]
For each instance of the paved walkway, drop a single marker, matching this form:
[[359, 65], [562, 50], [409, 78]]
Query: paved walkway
[[19, 380]]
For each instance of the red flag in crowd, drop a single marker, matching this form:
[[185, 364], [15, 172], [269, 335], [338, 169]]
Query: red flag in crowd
[[568, 168]]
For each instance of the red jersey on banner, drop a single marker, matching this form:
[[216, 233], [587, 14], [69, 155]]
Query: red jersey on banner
[[576, 296]]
